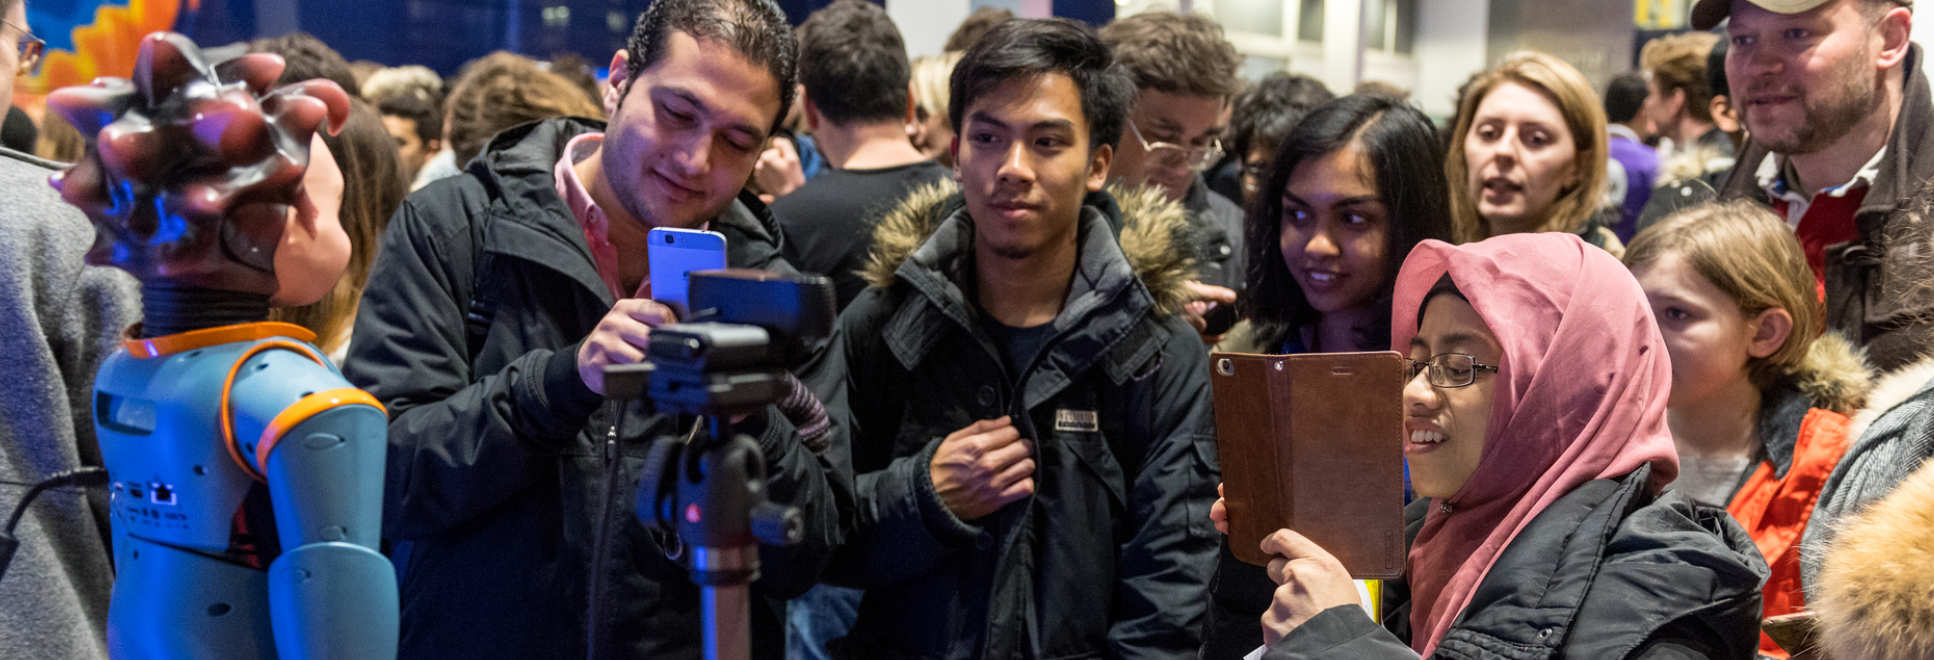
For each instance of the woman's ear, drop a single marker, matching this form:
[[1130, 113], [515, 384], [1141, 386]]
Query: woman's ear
[[1770, 329]]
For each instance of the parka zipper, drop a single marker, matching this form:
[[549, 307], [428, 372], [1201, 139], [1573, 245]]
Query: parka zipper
[[594, 623]]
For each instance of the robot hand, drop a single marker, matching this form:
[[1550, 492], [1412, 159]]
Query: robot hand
[[197, 172]]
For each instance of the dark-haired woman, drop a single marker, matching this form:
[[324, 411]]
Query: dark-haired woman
[[1355, 185]]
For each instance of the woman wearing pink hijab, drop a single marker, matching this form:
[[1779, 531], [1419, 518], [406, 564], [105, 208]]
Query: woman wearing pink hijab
[[1535, 424]]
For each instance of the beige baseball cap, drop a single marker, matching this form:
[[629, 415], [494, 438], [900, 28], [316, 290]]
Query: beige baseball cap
[[1708, 13]]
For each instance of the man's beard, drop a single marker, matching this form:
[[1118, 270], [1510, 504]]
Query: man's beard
[[1827, 119]]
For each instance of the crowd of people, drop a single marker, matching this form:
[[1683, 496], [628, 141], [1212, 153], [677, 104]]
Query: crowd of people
[[1669, 389]]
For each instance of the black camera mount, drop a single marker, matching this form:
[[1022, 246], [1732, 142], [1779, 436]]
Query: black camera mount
[[728, 364]]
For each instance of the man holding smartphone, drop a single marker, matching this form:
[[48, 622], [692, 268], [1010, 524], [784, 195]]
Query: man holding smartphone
[[1027, 410], [497, 301]]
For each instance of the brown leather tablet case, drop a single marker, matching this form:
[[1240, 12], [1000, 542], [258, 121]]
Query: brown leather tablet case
[[1314, 443]]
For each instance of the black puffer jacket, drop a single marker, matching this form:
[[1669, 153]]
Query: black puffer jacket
[[1111, 556], [1606, 572], [499, 456]]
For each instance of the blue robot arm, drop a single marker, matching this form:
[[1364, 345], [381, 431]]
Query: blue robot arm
[[331, 594]]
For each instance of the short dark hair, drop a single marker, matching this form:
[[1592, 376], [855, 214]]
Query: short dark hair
[[853, 63], [1406, 158], [1175, 53], [1027, 47], [1266, 112], [306, 58], [428, 118], [18, 131], [1624, 95], [974, 27], [754, 28]]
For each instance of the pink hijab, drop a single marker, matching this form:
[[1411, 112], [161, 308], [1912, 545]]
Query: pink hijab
[[1580, 396]]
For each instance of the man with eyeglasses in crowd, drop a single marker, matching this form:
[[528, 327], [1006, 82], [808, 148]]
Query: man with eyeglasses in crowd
[[1185, 74], [62, 317]]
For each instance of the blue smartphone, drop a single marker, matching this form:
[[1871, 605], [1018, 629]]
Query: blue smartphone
[[677, 253]]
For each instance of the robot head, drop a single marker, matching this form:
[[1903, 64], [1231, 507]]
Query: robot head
[[198, 174]]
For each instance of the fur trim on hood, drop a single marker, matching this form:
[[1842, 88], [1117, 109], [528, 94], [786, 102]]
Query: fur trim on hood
[[1874, 590], [1833, 374], [1889, 390], [1154, 237]]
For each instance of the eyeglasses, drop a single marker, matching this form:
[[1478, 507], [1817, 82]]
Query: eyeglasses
[[30, 47], [1448, 370], [1196, 158]]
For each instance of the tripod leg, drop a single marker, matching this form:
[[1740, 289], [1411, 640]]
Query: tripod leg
[[726, 608]]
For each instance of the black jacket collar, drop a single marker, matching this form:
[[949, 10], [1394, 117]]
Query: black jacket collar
[[1601, 571]]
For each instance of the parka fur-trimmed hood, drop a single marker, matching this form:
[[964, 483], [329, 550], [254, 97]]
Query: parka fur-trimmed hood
[[1873, 599], [1891, 389], [1153, 236], [1833, 374]]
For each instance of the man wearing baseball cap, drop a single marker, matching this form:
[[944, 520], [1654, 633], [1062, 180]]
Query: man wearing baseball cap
[[1839, 116]]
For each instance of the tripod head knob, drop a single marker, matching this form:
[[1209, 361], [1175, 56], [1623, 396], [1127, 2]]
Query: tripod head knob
[[777, 524]]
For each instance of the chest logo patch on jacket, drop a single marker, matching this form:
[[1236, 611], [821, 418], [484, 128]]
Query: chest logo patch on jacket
[[1085, 421]]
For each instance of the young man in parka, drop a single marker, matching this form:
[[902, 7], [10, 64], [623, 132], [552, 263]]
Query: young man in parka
[[1028, 415]]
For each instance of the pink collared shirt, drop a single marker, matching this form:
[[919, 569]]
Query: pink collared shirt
[[591, 219]]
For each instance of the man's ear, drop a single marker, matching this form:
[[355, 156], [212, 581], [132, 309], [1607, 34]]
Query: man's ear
[[1678, 100], [953, 153], [1771, 328], [1721, 109], [811, 110], [913, 105], [1895, 31], [620, 82], [1098, 162], [1719, 106], [432, 146]]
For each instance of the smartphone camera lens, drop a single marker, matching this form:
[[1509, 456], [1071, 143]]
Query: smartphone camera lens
[[668, 239]]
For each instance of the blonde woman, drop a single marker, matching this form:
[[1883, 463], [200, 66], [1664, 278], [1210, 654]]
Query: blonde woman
[[1527, 153], [930, 131]]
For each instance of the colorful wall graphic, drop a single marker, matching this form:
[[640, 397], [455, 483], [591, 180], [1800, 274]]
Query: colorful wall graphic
[[87, 39]]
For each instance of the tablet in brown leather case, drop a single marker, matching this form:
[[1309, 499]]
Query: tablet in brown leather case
[[1314, 443]]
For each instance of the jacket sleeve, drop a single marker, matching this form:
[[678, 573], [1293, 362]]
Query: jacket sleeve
[[1344, 631], [820, 485], [1165, 567], [1892, 447], [900, 528], [460, 443]]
